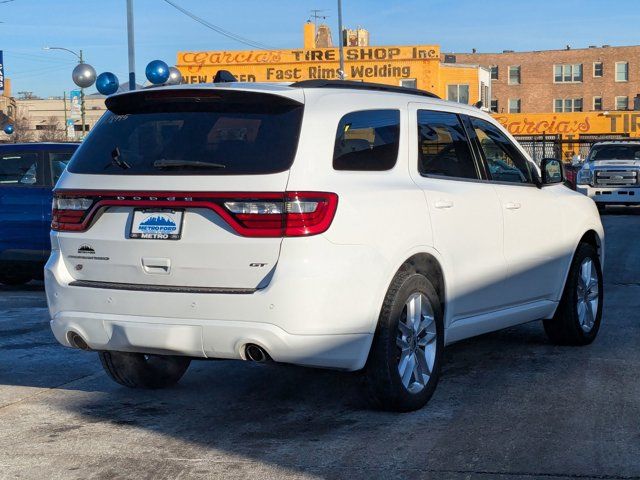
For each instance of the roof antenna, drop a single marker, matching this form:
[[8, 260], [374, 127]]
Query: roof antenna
[[224, 76]]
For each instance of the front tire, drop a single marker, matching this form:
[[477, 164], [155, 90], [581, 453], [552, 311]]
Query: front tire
[[579, 314], [403, 367], [138, 370]]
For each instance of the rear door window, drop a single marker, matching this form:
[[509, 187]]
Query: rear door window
[[58, 162], [367, 140], [21, 169], [192, 133], [443, 147]]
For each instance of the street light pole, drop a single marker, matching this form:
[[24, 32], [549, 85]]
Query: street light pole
[[340, 40], [130, 44], [82, 109]]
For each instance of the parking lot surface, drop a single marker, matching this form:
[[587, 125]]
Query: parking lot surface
[[509, 405]]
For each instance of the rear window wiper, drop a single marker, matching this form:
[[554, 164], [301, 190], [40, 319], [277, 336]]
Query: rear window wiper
[[165, 163], [117, 160]]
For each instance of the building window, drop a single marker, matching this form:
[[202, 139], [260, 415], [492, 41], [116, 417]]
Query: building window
[[567, 73], [495, 72], [514, 105], [458, 93], [514, 75], [567, 105], [597, 103], [622, 103], [408, 82], [598, 69], [494, 105], [622, 71]]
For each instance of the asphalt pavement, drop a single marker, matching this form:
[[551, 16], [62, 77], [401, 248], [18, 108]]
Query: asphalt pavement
[[509, 405]]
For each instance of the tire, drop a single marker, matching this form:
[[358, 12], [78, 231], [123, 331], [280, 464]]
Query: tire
[[385, 386], [577, 320], [137, 370], [14, 279]]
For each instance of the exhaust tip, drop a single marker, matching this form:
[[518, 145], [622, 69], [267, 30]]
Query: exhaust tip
[[77, 341], [255, 353]]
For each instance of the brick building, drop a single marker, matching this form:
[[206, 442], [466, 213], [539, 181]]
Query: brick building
[[571, 80]]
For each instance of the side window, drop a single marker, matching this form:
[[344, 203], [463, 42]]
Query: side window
[[367, 141], [505, 162], [20, 169], [443, 148], [58, 162]]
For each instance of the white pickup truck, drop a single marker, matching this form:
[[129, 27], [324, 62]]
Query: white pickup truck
[[610, 174]]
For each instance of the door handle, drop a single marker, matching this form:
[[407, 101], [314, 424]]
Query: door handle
[[512, 206], [442, 204], [160, 266]]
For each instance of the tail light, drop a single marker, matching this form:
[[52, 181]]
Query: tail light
[[265, 214], [68, 213]]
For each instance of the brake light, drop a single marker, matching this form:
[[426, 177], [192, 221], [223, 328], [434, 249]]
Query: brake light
[[69, 212], [297, 214], [263, 214]]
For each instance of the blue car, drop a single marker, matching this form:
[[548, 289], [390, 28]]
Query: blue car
[[28, 172]]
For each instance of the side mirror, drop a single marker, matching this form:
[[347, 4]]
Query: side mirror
[[552, 171]]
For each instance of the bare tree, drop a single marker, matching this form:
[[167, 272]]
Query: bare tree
[[52, 131], [21, 132]]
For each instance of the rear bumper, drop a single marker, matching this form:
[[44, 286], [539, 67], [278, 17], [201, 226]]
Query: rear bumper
[[618, 195], [320, 309], [210, 339]]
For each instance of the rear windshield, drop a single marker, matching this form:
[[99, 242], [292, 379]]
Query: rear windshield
[[192, 133], [615, 152]]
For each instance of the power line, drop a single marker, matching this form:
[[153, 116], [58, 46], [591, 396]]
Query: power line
[[220, 30]]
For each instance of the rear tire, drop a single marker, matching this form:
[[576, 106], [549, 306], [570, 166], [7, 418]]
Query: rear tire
[[405, 338], [138, 370], [579, 314]]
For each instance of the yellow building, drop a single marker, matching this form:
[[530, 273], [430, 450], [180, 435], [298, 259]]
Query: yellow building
[[415, 66], [572, 127]]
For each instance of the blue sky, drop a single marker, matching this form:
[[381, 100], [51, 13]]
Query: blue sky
[[99, 28]]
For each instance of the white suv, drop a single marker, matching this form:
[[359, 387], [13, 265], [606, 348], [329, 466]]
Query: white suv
[[330, 224]]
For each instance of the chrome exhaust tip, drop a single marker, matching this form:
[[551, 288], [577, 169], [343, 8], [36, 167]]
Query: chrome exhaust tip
[[77, 341], [255, 353]]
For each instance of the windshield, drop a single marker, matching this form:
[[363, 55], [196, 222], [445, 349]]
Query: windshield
[[192, 133], [615, 152]]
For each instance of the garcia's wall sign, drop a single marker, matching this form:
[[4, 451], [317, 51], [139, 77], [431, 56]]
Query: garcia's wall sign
[[419, 62], [571, 124]]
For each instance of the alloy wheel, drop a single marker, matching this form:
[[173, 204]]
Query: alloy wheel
[[416, 341]]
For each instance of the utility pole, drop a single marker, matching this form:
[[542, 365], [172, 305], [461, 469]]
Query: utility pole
[[132, 54], [340, 40]]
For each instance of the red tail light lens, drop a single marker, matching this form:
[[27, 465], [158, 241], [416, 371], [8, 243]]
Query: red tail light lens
[[288, 214], [297, 214], [68, 213]]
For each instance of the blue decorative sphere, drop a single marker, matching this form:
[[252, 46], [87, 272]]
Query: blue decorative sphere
[[8, 129], [107, 83], [157, 72]]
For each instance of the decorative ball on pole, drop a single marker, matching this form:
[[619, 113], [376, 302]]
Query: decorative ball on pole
[[175, 77], [84, 75], [157, 72], [8, 129], [107, 83]]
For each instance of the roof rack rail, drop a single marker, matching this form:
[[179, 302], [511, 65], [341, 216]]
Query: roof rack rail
[[350, 84]]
